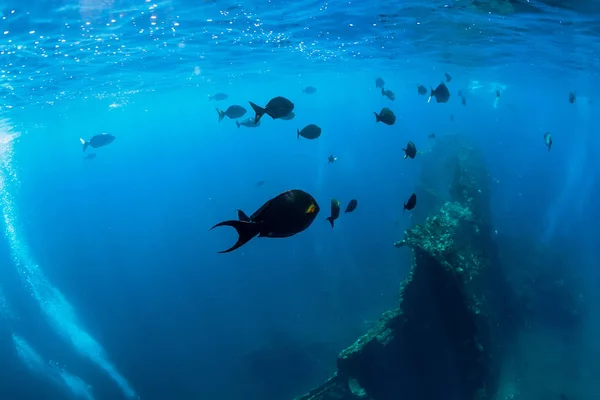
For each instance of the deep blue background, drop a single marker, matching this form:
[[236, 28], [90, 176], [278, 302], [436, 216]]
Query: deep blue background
[[125, 236]]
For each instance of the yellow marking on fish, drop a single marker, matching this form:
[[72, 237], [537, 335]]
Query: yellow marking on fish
[[311, 209]]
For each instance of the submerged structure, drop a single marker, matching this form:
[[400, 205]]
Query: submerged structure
[[441, 342], [472, 308]]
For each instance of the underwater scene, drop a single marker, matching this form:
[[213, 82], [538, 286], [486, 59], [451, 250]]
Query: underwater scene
[[308, 200]]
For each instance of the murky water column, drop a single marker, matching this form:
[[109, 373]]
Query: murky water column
[[60, 315]]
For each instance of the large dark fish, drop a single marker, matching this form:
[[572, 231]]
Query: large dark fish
[[411, 203], [379, 83], [386, 116], [232, 112], [441, 93], [548, 140], [422, 90], [335, 211], [311, 131], [218, 97], [277, 107], [410, 150], [283, 216], [351, 206], [248, 122], [309, 90], [98, 141], [388, 93], [289, 116]]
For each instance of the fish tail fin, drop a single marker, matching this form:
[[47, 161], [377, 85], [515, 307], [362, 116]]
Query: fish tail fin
[[404, 209], [405, 154], [376, 116], [298, 134], [431, 95], [221, 114], [382, 92], [246, 231], [84, 144], [258, 110], [242, 216], [237, 123], [330, 219]]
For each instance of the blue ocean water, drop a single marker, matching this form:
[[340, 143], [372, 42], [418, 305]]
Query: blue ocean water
[[110, 282]]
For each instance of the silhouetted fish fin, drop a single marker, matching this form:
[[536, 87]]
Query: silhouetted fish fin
[[376, 117], [246, 231], [298, 134], [84, 144], [330, 219], [405, 153], [382, 92], [221, 114], [237, 123], [258, 110], [242, 216]]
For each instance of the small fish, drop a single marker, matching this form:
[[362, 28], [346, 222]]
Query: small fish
[[386, 116], [572, 97], [218, 97], [309, 90], [548, 140], [335, 211], [285, 215], [351, 206], [232, 112], [311, 131], [411, 203], [96, 141], [379, 83], [90, 156], [289, 116], [463, 100], [389, 94], [260, 183], [422, 90], [410, 150], [497, 93], [448, 77], [331, 159], [248, 122], [441, 93], [277, 107], [431, 135]]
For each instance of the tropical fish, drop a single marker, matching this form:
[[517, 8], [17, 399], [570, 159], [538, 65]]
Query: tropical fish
[[232, 112], [335, 211], [311, 131], [277, 107], [351, 206], [96, 141], [284, 215], [386, 116], [218, 97], [441, 93], [411, 203]]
